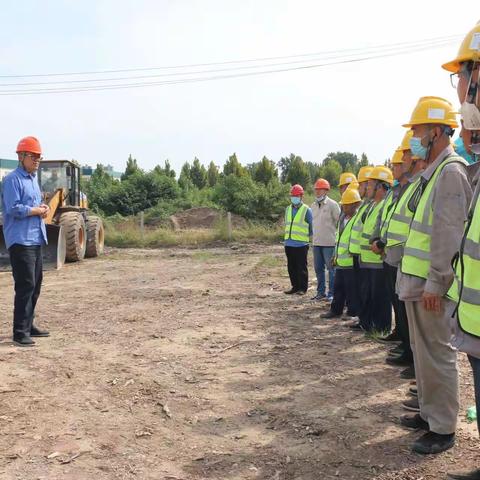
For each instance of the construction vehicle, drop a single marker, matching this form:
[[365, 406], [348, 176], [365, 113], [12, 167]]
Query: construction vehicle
[[72, 232]]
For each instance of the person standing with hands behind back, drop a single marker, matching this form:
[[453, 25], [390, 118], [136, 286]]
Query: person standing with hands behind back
[[298, 230], [25, 234]]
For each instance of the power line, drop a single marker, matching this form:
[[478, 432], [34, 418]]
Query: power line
[[215, 77], [220, 70], [260, 59]]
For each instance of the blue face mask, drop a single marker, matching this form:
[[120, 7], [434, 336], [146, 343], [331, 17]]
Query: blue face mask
[[296, 200], [460, 149], [418, 150], [396, 183]]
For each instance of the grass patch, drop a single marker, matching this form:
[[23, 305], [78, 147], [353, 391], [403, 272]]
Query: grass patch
[[127, 234]]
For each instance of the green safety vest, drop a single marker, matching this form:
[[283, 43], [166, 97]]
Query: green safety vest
[[366, 255], [399, 224], [387, 211], [297, 228], [356, 233], [343, 258], [466, 286], [416, 258]]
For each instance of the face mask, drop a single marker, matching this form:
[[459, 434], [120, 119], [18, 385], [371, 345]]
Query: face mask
[[469, 110], [321, 198], [296, 200], [417, 148], [396, 183], [460, 149]]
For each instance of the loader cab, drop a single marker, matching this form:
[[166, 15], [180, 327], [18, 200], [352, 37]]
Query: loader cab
[[61, 174]]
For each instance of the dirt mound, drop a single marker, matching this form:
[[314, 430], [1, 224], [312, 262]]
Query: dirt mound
[[203, 217]]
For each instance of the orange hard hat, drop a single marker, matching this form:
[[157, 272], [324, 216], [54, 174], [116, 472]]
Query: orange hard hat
[[30, 145], [323, 184], [296, 191]]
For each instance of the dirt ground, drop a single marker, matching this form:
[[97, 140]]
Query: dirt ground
[[192, 364]]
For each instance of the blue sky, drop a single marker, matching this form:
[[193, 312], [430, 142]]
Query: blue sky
[[356, 107]]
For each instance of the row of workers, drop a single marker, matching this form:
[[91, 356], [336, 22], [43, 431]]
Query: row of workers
[[415, 245]]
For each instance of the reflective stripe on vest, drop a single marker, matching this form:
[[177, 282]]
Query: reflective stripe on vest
[[296, 228], [466, 287], [354, 241], [399, 224], [366, 255], [416, 258], [387, 212], [343, 257]]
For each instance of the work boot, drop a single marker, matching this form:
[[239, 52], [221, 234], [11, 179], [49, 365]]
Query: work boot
[[356, 327], [330, 314], [36, 332], [398, 350], [432, 442], [408, 373], [413, 391], [415, 422], [399, 361], [24, 341], [412, 405], [291, 291], [301, 292], [389, 339], [473, 475]]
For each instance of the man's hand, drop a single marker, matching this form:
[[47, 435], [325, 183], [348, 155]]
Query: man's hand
[[40, 211], [375, 249], [46, 209], [432, 302]]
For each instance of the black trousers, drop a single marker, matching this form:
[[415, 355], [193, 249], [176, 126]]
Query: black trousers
[[401, 319], [298, 267], [345, 292], [27, 272], [360, 278], [376, 313]]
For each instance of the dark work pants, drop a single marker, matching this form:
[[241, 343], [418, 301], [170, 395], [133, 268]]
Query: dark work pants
[[376, 314], [475, 363], [345, 292], [298, 267], [401, 320], [359, 275], [27, 272]]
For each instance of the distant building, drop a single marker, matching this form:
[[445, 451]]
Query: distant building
[[87, 172], [6, 166]]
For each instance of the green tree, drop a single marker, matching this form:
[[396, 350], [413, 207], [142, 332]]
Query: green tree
[[185, 179], [343, 158], [233, 167], [331, 172], [132, 167], [363, 162], [212, 175], [198, 174], [298, 173], [264, 171], [315, 170], [98, 188], [167, 170], [284, 164]]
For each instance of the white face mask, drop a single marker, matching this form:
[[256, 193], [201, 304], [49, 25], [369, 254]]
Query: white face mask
[[469, 111], [321, 198]]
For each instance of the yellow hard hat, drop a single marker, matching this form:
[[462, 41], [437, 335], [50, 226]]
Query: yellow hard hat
[[384, 174], [405, 145], [364, 174], [349, 196], [397, 156], [469, 50], [346, 178], [353, 185], [434, 110]]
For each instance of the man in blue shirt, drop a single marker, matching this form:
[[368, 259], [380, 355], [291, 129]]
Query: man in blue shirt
[[25, 234], [298, 231]]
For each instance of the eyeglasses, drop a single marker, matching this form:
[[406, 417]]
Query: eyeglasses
[[464, 71], [33, 157]]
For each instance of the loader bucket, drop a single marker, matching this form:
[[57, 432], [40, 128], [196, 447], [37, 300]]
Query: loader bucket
[[53, 253]]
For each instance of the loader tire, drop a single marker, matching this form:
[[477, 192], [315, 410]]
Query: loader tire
[[75, 235], [95, 237]]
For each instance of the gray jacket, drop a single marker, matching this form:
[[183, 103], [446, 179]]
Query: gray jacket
[[451, 198], [325, 219]]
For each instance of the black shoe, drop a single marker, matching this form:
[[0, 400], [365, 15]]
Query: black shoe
[[330, 314], [399, 361], [301, 292], [291, 291], [432, 442], [319, 297], [411, 405], [23, 341], [473, 475], [391, 338], [415, 422], [36, 332], [408, 373], [398, 350], [413, 391]]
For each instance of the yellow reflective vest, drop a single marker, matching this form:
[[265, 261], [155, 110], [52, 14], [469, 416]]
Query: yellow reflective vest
[[366, 255], [343, 258], [356, 233], [296, 227]]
